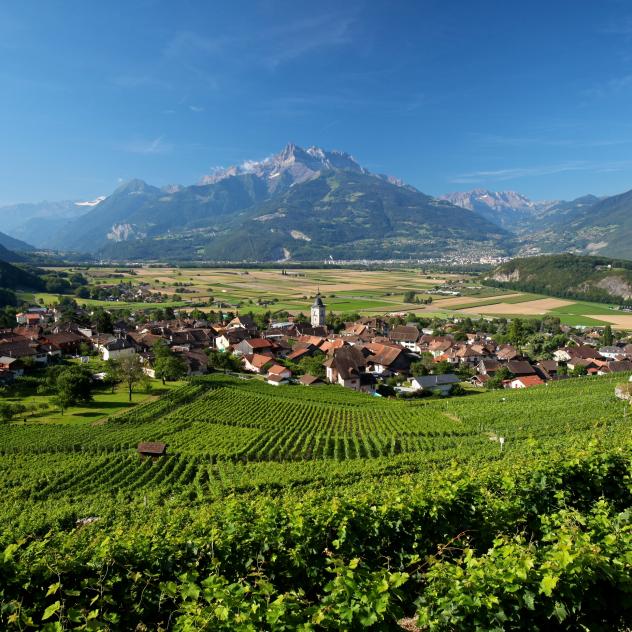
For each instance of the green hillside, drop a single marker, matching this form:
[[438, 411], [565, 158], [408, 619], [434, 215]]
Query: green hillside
[[16, 278], [588, 225], [295, 508], [591, 278], [347, 214], [9, 243]]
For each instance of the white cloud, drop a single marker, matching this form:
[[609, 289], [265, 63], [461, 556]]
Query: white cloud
[[539, 170], [148, 147]]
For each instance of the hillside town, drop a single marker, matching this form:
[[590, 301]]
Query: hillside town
[[386, 356]]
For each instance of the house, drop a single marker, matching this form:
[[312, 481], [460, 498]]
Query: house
[[306, 329], [229, 339], [262, 346], [524, 382], [385, 359], [11, 364], [67, 341], [591, 366], [547, 369], [611, 353], [276, 380], [310, 380], [584, 352], [301, 352], [354, 329], [442, 383], [406, 336], [24, 349], [196, 362], [488, 367], [520, 368], [507, 353], [256, 362], [347, 367], [480, 380], [469, 355], [117, 348], [439, 346], [244, 323], [616, 366], [29, 319], [278, 374], [281, 371]]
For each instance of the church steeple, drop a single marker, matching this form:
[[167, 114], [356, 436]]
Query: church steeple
[[318, 311]]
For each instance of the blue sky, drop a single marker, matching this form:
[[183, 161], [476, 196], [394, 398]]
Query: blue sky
[[448, 95]]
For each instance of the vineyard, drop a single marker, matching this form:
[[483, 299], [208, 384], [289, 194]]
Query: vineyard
[[318, 508]]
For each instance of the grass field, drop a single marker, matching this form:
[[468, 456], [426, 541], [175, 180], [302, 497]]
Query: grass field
[[105, 404], [344, 291]]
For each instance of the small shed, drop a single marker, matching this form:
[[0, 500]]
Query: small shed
[[153, 449]]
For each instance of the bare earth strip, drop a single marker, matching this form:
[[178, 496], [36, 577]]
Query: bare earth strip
[[623, 321], [464, 300], [530, 308]]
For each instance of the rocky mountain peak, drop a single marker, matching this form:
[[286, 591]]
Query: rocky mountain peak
[[293, 163]]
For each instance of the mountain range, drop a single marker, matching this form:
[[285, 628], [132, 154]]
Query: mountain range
[[312, 204], [300, 204]]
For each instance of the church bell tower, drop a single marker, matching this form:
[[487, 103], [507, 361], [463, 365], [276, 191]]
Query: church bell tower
[[318, 312]]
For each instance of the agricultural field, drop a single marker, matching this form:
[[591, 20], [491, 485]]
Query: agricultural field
[[344, 291], [317, 508]]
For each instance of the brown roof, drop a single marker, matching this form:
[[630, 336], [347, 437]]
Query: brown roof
[[258, 360], [382, 354], [299, 353], [308, 380], [260, 343], [155, 448], [277, 369], [405, 333], [64, 337], [507, 353], [584, 352], [520, 367], [349, 362]]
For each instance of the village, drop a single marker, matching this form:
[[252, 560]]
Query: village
[[374, 355]]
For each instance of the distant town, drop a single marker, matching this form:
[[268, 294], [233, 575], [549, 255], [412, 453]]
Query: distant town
[[396, 356]]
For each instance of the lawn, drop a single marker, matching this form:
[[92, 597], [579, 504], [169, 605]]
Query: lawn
[[105, 404]]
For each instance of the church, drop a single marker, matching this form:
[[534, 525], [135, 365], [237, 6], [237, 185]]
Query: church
[[318, 312]]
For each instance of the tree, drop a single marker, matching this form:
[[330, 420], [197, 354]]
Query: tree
[[103, 321], [130, 372], [74, 385], [608, 338], [62, 401], [409, 297], [313, 365], [112, 376], [224, 361], [170, 367], [418, 368], [457, 390], [515, 331], [579, 371], [498, 378], [9, 411]]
